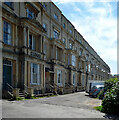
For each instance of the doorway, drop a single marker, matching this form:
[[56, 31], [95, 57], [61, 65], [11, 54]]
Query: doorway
[[7, 73]]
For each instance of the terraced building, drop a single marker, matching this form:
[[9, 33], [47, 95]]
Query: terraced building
[[42, 51]]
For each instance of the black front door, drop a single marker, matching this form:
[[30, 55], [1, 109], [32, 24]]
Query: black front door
[[7, 75]]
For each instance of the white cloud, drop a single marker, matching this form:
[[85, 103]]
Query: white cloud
[[99, 28]]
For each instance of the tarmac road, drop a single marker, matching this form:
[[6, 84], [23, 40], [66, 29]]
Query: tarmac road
[[75, 105]]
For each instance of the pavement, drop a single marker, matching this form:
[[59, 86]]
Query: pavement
[[75, 105]]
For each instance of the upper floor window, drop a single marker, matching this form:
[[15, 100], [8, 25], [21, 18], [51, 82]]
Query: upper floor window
[[80, 52], [79, 65], [86, 68], [30, 14], [70, 31], [45, 6], [80, 41], [70, 45], [55, 16], [56, 34], [10, 4], [73, 60], [68, 59], [89, 68], [56, 54], [45, 26], [7, 33], [64, 40], [31, 42], [45, 48], [86, 47], [87, 56], [64, 25]]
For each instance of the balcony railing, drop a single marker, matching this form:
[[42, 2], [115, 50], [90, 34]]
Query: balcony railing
[[32, 53]]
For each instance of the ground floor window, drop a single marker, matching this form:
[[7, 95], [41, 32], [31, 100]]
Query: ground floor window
[[74, 79], [35, 73], [59, 76]]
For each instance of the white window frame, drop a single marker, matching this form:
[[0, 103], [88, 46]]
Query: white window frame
[[73, 60], [70, 31], [32, 46], [70, 45], [38, 74], [89, 67], [45, 26], [64, 40], [30, 14], [7, 31], [74, 79], [55, 16], [56, 34], [59, 72], [64, 25]]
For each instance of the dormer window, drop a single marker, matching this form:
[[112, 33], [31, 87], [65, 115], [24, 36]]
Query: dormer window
[[56, 17], [30, 14]]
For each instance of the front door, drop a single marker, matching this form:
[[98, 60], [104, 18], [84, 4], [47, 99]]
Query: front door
[[7, 74]]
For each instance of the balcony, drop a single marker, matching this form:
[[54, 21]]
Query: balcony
[[32, 53], [58, 62], [58, 42]]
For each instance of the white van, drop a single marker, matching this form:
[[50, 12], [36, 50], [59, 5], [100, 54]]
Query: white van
[[92, 83]]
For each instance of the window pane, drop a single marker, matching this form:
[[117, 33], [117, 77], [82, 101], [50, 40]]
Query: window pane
[[7, 33]]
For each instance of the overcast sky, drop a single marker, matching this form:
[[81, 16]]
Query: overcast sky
[[97, 22]]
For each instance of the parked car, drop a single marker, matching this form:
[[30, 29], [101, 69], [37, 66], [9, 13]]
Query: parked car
[[96, 90], [92, 83]]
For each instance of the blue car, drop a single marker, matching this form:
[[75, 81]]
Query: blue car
[[96, 90]]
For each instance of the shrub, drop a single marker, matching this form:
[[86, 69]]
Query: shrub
[[110, 103], [101, 94]]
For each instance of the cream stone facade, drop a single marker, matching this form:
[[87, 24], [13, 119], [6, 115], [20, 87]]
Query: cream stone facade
[[42, 50]]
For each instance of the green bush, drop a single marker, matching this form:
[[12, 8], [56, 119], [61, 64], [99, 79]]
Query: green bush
[[101, 95], [110, 103]]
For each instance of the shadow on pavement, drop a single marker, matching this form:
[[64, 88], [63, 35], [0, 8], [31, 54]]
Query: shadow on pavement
[[112, 117]]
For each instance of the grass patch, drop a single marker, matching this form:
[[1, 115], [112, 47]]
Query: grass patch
[[99, 108], [19, 98]]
